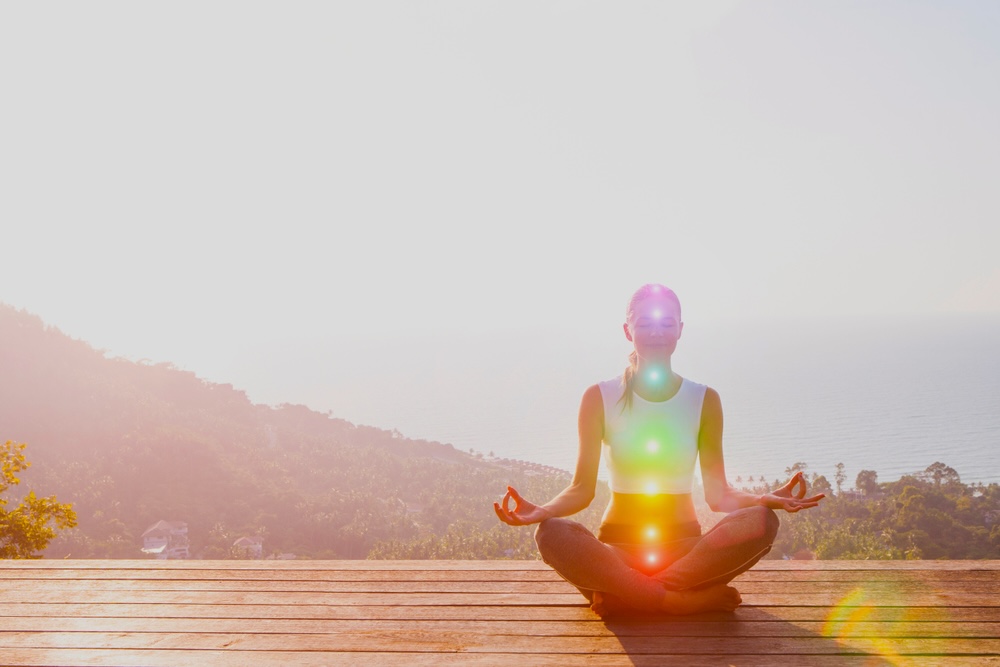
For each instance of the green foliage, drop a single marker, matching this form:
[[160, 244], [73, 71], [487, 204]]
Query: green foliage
[[928, 515], [27, 529], [840, 477], [867, 482]]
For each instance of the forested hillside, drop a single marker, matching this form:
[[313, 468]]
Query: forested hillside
[[130, 444]]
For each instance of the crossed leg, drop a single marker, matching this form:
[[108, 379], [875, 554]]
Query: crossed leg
[[617, 575]]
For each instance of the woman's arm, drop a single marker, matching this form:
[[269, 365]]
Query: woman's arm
[[718, 494], [578, 495]]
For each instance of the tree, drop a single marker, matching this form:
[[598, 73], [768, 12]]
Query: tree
[[820, 484], [839, 477], [796, 467], [867, 482], [939, 472], [25, 530]]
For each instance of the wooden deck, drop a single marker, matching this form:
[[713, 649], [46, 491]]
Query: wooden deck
[[516, 613]]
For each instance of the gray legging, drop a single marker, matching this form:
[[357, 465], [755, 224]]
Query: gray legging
[[637, 573]]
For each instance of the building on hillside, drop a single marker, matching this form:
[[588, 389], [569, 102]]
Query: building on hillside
[[249, 547], [166, 540]]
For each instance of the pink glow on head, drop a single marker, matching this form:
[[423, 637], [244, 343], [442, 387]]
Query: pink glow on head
[[651, 290]]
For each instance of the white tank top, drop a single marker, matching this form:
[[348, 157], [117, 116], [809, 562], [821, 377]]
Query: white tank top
[[651, 448]]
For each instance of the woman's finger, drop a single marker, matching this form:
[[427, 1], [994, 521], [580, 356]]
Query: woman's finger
[[794, 505], [507, 517], [802, 484], [518, 500], [500, 515], [506, 501]]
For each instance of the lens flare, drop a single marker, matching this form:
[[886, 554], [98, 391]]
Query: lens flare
[[844, 623]]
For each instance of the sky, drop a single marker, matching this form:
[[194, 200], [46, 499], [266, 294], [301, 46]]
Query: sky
[[230, 185]]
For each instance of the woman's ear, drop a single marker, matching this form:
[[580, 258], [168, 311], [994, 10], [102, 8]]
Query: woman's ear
[[628, 334]]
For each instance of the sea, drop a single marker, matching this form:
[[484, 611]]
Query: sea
[[893, 395]]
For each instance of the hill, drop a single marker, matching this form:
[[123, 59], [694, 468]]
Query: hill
[[134, 444], [131, 444]]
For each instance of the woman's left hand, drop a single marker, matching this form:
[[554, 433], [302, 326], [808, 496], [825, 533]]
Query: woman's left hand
[[791, 496]]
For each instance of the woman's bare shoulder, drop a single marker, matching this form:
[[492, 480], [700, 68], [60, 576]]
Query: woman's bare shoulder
[[592, 397]]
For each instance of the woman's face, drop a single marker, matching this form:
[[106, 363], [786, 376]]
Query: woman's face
[[654, 327]]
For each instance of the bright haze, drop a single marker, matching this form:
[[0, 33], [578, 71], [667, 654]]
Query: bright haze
[[329, 203]]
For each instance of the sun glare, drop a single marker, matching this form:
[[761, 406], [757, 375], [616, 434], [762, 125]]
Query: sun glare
[[846, 620]]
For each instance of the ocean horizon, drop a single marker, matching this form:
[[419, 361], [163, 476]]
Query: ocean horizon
[[893, 396]]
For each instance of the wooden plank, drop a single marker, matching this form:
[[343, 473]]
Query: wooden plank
[[195, 574], [280, 565], [745, 613], [930, 598], [875, 565], [424, 641], [990, 576], [290, 598], [205, 574], [593, 628], [276, 586], [173, 658], [488, 565], [870, 590]]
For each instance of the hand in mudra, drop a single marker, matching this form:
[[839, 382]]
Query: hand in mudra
[[791, 496], [524, 512]]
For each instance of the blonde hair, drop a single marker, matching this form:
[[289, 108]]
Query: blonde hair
[[628, 377]]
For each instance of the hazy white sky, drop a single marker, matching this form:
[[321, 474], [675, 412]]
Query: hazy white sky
[[201, 182]]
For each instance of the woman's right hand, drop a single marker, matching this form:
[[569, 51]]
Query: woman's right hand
[[524, 512], [789, 498]]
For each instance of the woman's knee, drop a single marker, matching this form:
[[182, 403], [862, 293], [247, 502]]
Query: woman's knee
[[758, 522], [551, 533], [767, 520]]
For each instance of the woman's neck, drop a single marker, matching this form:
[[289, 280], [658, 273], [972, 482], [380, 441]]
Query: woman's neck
[[655, 380]]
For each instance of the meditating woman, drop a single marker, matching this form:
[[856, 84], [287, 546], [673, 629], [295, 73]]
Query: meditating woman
[[649, 553]]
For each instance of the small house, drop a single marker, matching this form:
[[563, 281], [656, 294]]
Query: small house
[[166, 540]]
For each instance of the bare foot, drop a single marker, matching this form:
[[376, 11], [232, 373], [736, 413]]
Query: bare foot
[[716, 598], [607, 606]]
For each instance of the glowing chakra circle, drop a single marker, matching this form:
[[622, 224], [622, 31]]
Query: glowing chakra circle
[[652, 446], [651, 558], [651, 488], [651, 532]]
